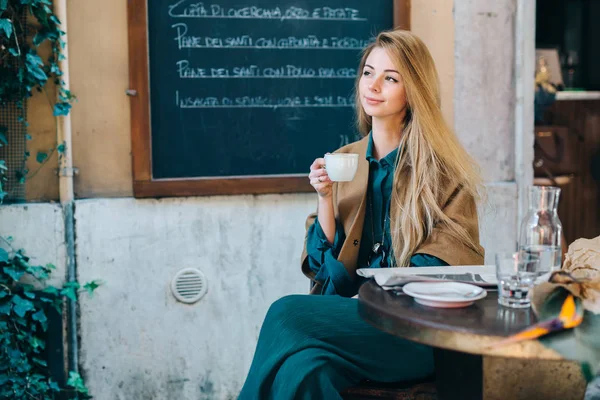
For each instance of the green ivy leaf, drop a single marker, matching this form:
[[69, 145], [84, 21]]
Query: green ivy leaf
[[6, 26], [33, 59], [61, 109], [21, 175], [3, 5], [3, 132], [13, 273], [70, 290], [22, 306], [41, 157], [38, 74], [21, 255], [45, 34], [91, 286], [39, 316], [76, 382], [5, 308], [56, 71], [53, 385], [51, 290], [39, 272], [61, 148], [39, 361], [33, 64], [3, 255], [54, 19]]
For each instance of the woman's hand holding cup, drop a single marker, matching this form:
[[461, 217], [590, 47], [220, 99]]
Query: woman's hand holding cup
[[319, 179]]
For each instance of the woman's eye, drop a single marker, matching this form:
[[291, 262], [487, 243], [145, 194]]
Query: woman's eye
[[389, 78], [365, 73]]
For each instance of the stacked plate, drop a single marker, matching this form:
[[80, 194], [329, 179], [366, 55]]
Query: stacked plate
[[444, 294]]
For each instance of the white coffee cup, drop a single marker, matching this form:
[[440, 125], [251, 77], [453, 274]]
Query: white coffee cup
[[341, 167]]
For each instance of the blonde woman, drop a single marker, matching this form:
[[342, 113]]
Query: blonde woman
[[411, 204]]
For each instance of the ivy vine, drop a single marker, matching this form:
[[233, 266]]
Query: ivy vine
[[25, 299], [24, 307], [23, 70]]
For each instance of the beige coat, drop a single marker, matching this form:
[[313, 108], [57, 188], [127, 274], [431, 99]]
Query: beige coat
[[349, 199]]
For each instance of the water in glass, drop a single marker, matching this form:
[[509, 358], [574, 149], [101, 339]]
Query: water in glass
[[541, 229], [516, 274]]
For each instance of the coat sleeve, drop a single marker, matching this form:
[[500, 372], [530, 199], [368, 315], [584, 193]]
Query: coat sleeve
[[322, 260], [461, 208]]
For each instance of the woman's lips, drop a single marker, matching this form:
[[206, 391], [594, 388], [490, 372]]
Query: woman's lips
[[372, 101]]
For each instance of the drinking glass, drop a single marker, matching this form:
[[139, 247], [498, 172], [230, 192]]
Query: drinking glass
[[516, 273]]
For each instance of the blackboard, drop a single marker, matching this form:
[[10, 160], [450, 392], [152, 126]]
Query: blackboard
[[256, 88]]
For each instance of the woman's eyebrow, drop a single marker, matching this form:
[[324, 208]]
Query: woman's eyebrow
[[387, 70]]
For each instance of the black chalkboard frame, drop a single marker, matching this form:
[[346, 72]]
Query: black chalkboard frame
[[144, 185]]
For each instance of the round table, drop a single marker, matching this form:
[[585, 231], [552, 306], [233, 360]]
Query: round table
[[467, 365], [472, 329]]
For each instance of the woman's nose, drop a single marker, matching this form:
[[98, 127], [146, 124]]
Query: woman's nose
[[374, 86]]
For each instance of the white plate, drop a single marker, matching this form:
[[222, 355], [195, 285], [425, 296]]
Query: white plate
[[444, 294]]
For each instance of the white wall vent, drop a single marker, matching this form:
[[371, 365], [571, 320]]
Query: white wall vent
[[189, 285]]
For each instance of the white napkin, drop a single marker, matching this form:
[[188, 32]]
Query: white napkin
[[393, 278]]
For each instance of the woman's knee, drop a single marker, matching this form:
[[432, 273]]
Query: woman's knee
[[283, 306], [289, 312]]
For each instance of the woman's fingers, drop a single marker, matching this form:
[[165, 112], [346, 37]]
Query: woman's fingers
[[320, 181], [319, 163], [319, 173]]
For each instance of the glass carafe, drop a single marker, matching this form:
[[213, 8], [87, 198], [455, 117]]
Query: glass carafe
[[541, 229]]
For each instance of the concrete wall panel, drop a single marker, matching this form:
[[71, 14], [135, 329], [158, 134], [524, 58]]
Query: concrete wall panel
[[137, 341]]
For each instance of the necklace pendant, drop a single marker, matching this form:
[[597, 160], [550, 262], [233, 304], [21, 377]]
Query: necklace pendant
[[384, 262], [377, 248]]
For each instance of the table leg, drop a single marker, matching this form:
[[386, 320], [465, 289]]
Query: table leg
[[458, 375]]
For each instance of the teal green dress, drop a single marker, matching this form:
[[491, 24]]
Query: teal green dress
[[313, 347]]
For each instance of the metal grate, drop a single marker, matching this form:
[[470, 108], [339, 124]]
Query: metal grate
[[14, 152], [189, 285]]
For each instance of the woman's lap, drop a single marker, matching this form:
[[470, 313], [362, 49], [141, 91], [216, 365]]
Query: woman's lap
[[322, 338]]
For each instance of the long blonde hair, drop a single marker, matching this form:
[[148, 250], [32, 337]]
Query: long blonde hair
[[430, 160]]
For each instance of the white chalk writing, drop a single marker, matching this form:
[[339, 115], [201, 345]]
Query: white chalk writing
[[186, 9], [186, 71], [185, 41], [262, 101]]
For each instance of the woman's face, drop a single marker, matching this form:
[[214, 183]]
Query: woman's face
[[381, 88]]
